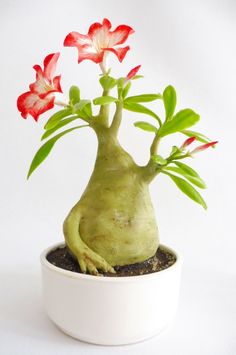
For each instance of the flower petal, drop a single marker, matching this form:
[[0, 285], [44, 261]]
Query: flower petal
[[120, 35], [133, 72], [41, 106], [119, 52], [40, 86], [50, 63], [75, 39], [97, 28], [106, 23], [31, 103], [39, 71], [85, 47], [57, 84], [25, 102], [88, 52]]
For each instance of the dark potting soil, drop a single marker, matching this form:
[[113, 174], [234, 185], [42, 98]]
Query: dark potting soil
[[62, 258]]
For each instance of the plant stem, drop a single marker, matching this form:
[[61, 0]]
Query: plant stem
[[155, 144], [115, 125], [178, 158], [103, 67], [103, 115]]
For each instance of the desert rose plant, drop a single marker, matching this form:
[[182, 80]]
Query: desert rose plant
[[114, 222]]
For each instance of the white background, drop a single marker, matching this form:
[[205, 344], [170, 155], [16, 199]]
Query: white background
[[189, 44]]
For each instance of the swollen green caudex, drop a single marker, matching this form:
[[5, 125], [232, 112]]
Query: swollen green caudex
[[114, 222]]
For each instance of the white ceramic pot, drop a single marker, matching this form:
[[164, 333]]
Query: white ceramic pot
[[110, 310]]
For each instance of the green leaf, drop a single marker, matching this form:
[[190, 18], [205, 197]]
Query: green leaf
[[61, 124], [54, 119], [126, 89], [199, 136], [74, 95], [83, 108], [104, 100], [159, 159], [108, 82], [120, 82], [46, 148], [175, 150], [134, 107], [143, 98], [169, 97], [183, 119], [188, 189], [145, 126], [187, 169], [196, 180], [137, 77]]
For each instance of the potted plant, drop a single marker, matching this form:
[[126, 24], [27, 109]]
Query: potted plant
[[112, 282]]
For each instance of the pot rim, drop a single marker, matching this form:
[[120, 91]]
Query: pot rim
[[75, 275]]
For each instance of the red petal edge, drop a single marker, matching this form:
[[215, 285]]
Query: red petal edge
[[50, 63], [57, 84], [119, 52], [188, 141], [30, 103], [97, 26], [121, 33], [133, 72]]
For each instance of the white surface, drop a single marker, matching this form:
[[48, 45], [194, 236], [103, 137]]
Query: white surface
[[190, 44], [205, 322], [113, 302]]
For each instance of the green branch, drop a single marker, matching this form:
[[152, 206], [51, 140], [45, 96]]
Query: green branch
[[155, 144], [115, 125], [103, 115]]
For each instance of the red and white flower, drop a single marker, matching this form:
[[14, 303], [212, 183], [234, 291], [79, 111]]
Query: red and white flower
[[42, 92], [99, 42], [203, 147]]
